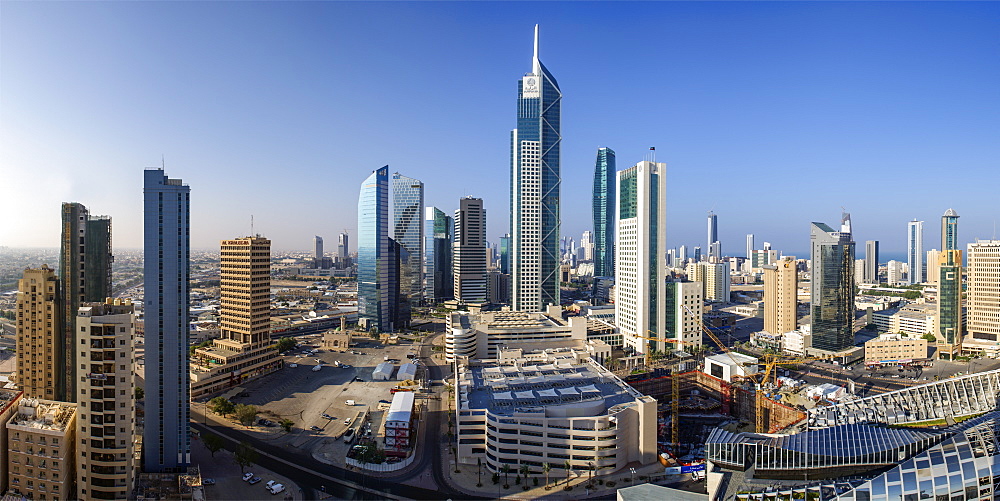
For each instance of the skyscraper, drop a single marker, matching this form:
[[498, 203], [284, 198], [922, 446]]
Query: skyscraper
[[749, 245], [915, 252], [640, 271], [713, 236], [374, 252], [604, 213], [438, 281], [408, 231], [871, 261], [318, 240], [832, 286], [682, 254], [505, 255], [949, 280], [780, 296], [40, 349], [982, 306], [470, 247], [535, 186], [587, 244], [343, 249], [715, 277], [84, 275], [166, 242]]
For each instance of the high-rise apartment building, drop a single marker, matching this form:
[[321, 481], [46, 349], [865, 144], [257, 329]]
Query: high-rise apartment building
[[40, 349], [604, 213], [587, 244], [832, 285], [438, 281], [408, 231], [470, 251], [780, 296], [684, 308], [713, 237], [915, 252], [871, 261], [84, 275], [243, 349], [166, 243], [894, 272], [749, 245], [715, 277], [106, 439], [318, 241], [374, 253], [933, 258], [949, 282], [982, 304], [535, 182], [343, 247], [640, 271]]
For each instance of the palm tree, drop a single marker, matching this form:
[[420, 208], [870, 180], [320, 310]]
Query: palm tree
[[567, 466], [524, 472], [506, 476], [479, 466], [546, 468]]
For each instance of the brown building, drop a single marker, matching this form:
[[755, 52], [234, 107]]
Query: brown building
[[8, 406], [337, 340], [243, 349], [894, 348], [780, 302], [39, 342], [106, 382], [40, 439]]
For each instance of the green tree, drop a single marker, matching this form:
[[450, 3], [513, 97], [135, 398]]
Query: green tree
[[524, 472], [139, 393], [506, 476], [221, 406], [567, 466], [285, 344], [371, 454], [286, 424], [929, 337], [213, 443], [245, 456], [245, 414]]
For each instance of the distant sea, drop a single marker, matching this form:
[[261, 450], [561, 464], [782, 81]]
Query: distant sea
[[859, 252]]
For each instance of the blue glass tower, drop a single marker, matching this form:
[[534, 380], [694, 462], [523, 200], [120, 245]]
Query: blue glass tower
[[408, 231], [374, 252], [166, 242], [832, 286], [604, 213], [535, 182], [438, 281]]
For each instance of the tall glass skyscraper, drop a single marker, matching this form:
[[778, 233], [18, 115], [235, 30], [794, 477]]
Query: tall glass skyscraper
[[408, 231], [437, 255], [374, 252], [915, 256], [535, 182], [604, 213], [871, 261], [949, 288], [505, 254], [714, 249], [166, 246], [832, 286]]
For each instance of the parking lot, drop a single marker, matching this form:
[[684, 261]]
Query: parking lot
[[304, 395]]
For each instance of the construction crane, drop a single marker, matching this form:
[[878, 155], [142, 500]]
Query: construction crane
[[675, 387]]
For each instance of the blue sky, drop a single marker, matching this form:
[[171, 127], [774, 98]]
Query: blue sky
[[771, 114]]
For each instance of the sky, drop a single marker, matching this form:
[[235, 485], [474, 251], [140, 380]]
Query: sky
[[771, 114]]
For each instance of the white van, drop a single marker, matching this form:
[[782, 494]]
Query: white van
[[351, 402]]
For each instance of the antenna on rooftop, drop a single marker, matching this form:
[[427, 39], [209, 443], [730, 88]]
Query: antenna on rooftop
[[251, 225], [163, 162]]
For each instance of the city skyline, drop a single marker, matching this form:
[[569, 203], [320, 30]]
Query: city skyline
[[932, 109]]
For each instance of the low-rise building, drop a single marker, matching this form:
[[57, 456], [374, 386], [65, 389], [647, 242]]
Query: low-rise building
[[731, 365], [895, 348], [337, 340], [41, 439], [916, 319], [513, 412], [398, 424], [482, 335]]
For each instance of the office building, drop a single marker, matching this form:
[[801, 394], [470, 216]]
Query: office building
[[983, 307], [408, 231], [438, 280], [713, 237], [374, 253], [84, 275], [871, 262], [682, 255], [749, 245], [933, 258], [497, 287], [684, 307], [859, 271], [243, 349], [780, 296], [40, 349], [343, 248], [715, 277], [697, 254], [587, 245], [399, 299], [166, 227], [535, 181], [894, 271], [41, 455], [604, 204], [915, 319], [318, 242], [505, 254], [106, 442], [640, 271], [470, 251], [832, 286], [915, 252], [949, 281]]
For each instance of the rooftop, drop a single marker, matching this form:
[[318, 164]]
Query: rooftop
[[43, 414]]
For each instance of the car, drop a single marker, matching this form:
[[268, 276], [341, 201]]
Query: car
[[269, 483], [318, 361], [208, 481], [247, 476], [293, 365], [327, 416], [254, 480], [276, 488], [347, 421], [346, 366], [315, 428], [317, 368]]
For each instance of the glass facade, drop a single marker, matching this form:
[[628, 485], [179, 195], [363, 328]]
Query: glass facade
[[408, 230], [604, 213], [832, 286], [437, 255], [374, 252]]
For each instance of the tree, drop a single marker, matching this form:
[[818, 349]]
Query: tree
[[245, 455], [286, 424], [213, 443], [929, 337], [285, 344], [245, 414], [221, 406], [546, 468], [506, 476], [139, 393], [567, 466], [524, 471]]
